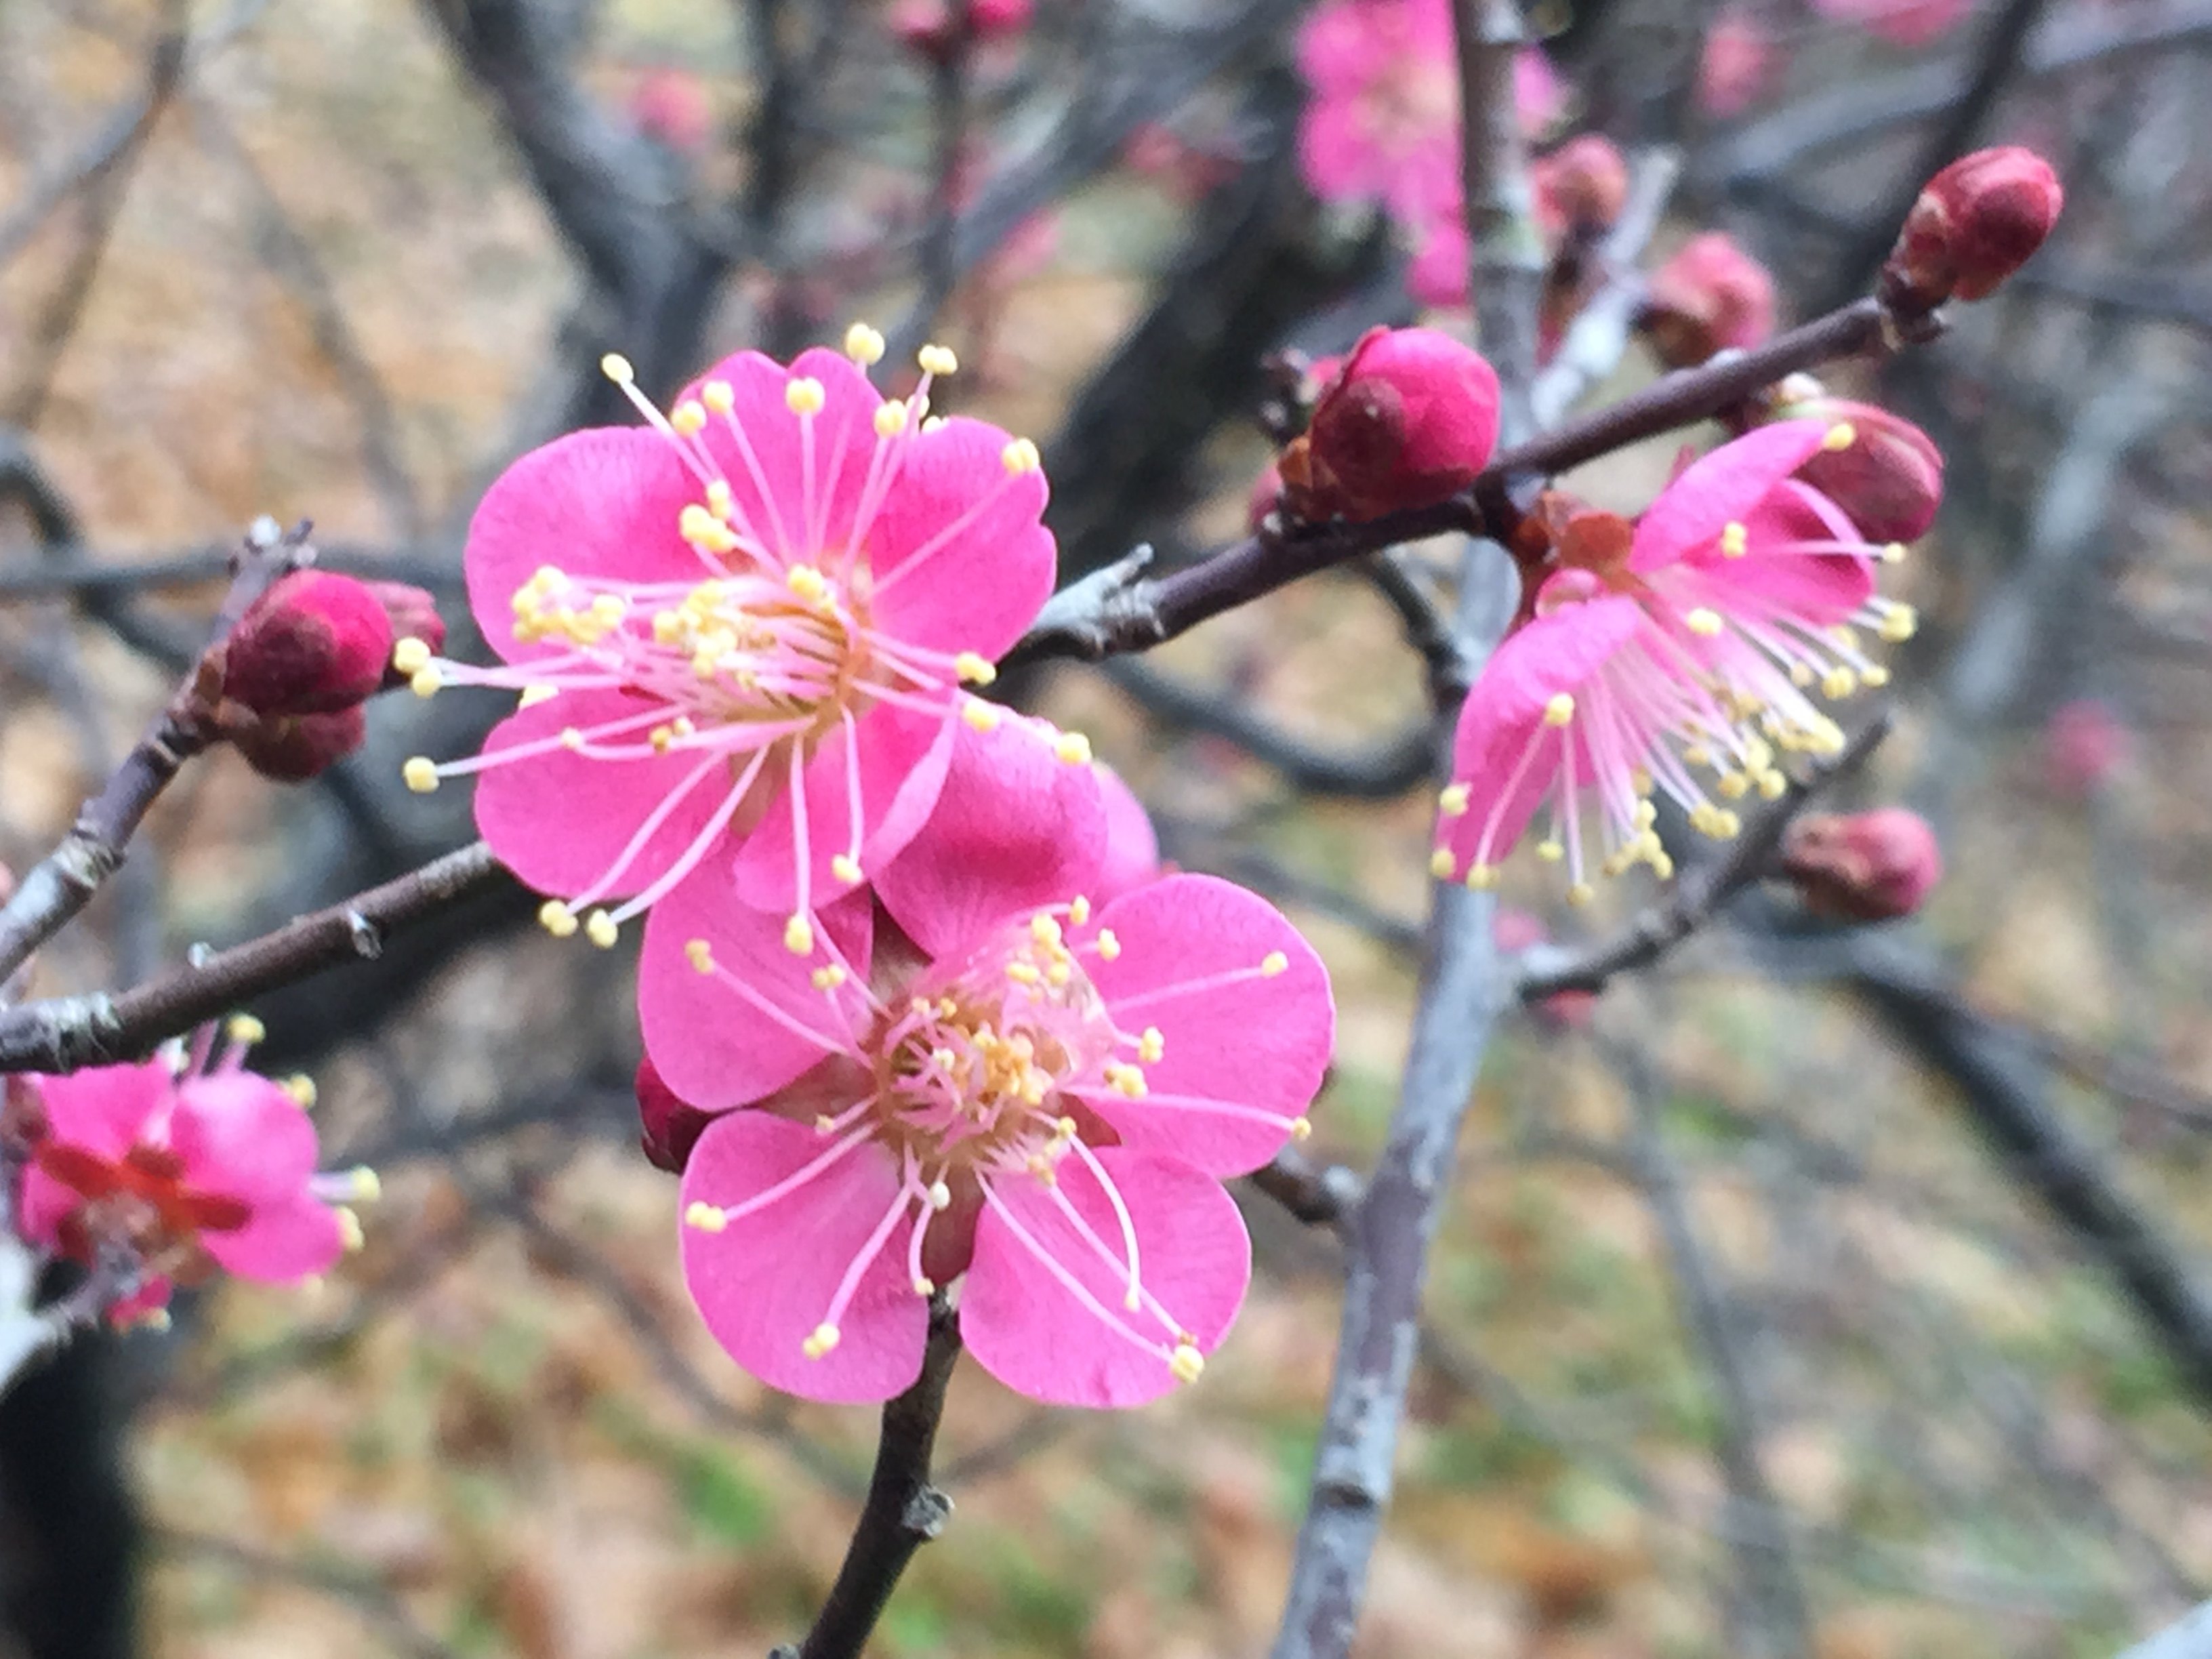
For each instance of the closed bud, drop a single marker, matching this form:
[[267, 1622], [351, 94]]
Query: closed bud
[[1978, 221], [670, 107], [931, 29], [1580, 188], [293, 748], [1711, 296], [1888, 478], [414, 615], [669, 1126], [1410, 421], [315, 643], [1863, 866]]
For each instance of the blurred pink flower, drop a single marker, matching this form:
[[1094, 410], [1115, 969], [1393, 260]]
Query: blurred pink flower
[[1711, 296], [2083, 743], [183, 1166], [671, 106], [1695, 652], [989, 1079], [739, 634], [1738, 62], [1910, 24]]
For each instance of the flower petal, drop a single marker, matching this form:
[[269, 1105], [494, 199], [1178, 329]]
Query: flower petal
[[715, 1046], [1726, 485], [289, 1239], [1247, 1042], [765, 1282], [1028, 1328], [242, 1136], [602, 503], [797, 524], [103, 1110]]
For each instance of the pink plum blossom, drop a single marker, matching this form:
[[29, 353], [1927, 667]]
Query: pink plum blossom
[[739, 633], [2083, 743], [1908, 23], [991, 1080], [1700, 650], [1738, 61], [181, 1165]]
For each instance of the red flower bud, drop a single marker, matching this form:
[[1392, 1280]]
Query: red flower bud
[[293, 748], [1410, 421], [1978, 221], [670, 105], [1711, 296], [1863, 866], [1889, 479], [927, 26], [670, 1125], [315, 643], [414, 615], [1580, 188]]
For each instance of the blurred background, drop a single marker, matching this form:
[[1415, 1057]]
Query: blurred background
[[1836, 1293]]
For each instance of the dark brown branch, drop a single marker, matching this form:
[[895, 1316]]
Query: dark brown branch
[[1704, 888], [62, 882], [903, 1510], [65, 1033]]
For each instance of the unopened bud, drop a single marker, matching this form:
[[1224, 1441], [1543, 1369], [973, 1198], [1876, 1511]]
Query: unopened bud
[[1580, 188], [1863, 866], [1737, 64], [1409, 422], [670, 107], [414, 615], [295, 748], [1977, 220], [315, 643], [1711, 296], [1884, 471], [669, 1125]]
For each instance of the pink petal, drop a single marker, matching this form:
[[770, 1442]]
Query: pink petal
[[1133, 850], [242, 1136], [1015, 827], [1256, 1043], [104, 1110], [802, 527], [903, 753], [598, 503], [46, 1202], [982, 559], [560, 820], [713, 1045], [1027, 1328], [1337, 160], [1724, 486], [287, 1239], [764, 1283]]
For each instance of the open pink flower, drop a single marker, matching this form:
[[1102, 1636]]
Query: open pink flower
[[738, 633], [991, 1081], [1699, 650], [181, 1165]]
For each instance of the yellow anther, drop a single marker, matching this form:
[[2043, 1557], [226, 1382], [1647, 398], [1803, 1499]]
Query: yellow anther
[[243, 1028], [616, 367], [1772, 786], [350, 1232], [1073, 747], [807, 581], [1078, 909], [1442, 865], [890, 420], [864, 345], [302, 1088], [599, 928], [828, 979], [420, 774], [411, 656], [1273, 963], [156, 1320], [1838, 683], [846, 868], [1733, 785], [933, 424], [363, 1184], [1662, 866], [534, 695], [924, 1285], [1646, 814], [1152, 1044], [1697, 755], [804, 396], [1840, 436], [1127, 1081], [820, 1341], [1581, 893], [688, 418], [939, 1195], [1640, 780], [1020, 455], [1186, 1361], [1560, 709], [705, 1218], [572, 738], [1550, 851], [662, 738], [1481, 878], [719, 396], [799, 936], [426, 682], [1453, 801], [1703, 622], [1900, 623], [974, 668], [1893, 553], [609, 609], [1800, 674], [1873, 676], [1024, 973], [719, 502], [1735, 540], [938, 360], [1044, 928], [1110, 947], [1301, 1128]]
